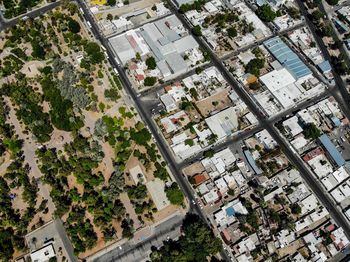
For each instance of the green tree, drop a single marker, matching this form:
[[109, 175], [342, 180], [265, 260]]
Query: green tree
[[196, 30], [160, 172], [209, 153], [295, 208], [150, 81], [254, 66], [141, 137], [111, 2], [38, 50], [138, 56], [94, 52], [6, 246], [189, 142], [232, 32], [109, 17], [332, 2], [73, 26], [196, 244], [151, 63], [266, 13], [174, 194], [311, 131]]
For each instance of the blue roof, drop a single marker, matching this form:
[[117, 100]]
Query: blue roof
[[325, 66], [332, 150], [230, 211], [260, 2], [287, 57], [252, 162], [336, 121], [342, 28]]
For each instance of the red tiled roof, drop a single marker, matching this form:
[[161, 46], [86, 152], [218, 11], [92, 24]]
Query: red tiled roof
[[345, 121], [167, 88], [226, 235], [330, 228], [140, 77], [199, 179], [313, 153], [133, 66]]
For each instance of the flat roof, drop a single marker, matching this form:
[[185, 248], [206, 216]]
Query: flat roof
[[287, 57], [252, 162], [332, 150], [43, 254], [223, 123], [325, 66]]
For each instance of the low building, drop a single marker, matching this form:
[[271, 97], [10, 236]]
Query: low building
[[287, 57], [252, 162], [332, 150], [43, 254], [266, 139], [291, 125], [223, 123], [169, 102], [324, 67], [211, 197]]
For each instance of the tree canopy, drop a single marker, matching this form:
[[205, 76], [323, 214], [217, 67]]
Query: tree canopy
[[266, 13], [174, 194], [196, 244], [94, 52], [150, 81], [311, 131], [73, 26], [151, 63]]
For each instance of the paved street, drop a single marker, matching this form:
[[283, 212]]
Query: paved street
[[7, 23], [135, 252], [131, 251], [64, 238], [146, 117], [263, 123], [341, 94]]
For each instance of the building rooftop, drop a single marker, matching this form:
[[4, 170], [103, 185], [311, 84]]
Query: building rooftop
[[287, 57], [325, 67], [223, 123], [43, 254], [332, 150], [292, 126], [252, 162]]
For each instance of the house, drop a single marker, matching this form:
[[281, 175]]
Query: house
[[169, 102], [43, 254]]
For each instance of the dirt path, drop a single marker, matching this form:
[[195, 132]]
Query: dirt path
[[130, 209], [29, 147]]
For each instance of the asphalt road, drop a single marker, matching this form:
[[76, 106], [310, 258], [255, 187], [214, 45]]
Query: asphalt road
[[294, 158], [66, 242], [174, 168], [264, 123], [341, 94], [136, 252], [7, 23]]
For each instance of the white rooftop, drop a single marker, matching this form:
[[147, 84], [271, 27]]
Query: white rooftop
[[292, 126], [308, 204], [223, 123], [43, 254]]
